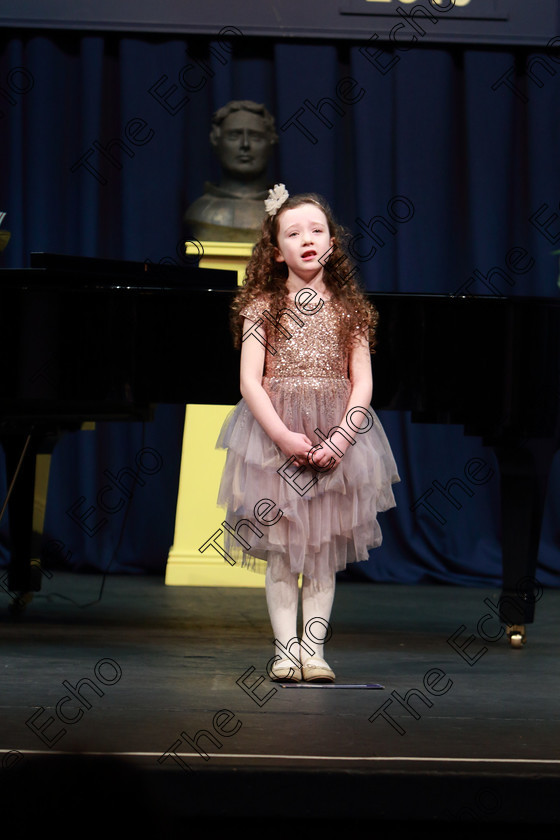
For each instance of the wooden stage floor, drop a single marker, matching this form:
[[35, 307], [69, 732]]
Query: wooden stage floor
[[100, 697]]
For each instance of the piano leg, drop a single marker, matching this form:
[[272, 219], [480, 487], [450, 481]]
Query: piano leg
[[24, 577], [524, 471]]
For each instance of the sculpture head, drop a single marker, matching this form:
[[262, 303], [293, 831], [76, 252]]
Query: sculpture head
[[242, 136]]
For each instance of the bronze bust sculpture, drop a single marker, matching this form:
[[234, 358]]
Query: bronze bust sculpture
[[242, 136]]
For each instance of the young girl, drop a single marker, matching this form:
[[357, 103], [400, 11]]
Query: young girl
[[308, 464]]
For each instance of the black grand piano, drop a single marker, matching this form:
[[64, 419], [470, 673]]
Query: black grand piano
[[87, 339], [492, 365]]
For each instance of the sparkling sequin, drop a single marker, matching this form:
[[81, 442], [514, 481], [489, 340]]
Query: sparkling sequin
[[311, 351]]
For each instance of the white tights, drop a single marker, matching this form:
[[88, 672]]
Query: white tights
[[282, 601]]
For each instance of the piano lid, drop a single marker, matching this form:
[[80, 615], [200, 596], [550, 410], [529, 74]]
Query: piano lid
[[130, 273]]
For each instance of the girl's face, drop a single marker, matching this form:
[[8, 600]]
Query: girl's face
[[303, 239]]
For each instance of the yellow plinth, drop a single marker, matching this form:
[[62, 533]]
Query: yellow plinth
[[198, 517], [231, 256]]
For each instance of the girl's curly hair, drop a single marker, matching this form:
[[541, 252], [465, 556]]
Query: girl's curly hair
[[267, 277]]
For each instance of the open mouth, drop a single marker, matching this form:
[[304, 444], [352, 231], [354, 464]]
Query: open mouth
[[308, 254]]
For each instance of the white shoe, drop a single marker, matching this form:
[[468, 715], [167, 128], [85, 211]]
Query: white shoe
[[284, 670], [317, 670]]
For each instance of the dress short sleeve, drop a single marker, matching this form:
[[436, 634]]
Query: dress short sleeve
[[254, 310]]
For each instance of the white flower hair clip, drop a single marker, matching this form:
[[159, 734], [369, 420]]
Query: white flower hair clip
[[276, 198]]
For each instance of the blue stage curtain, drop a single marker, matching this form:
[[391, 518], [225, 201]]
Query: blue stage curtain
[[102, 150]]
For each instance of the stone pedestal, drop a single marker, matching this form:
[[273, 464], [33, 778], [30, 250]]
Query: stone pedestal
[[199, 520]]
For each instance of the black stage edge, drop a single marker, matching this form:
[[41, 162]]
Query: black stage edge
[[100, 696]]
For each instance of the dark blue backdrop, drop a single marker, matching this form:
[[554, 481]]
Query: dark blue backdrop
[[466, 135]]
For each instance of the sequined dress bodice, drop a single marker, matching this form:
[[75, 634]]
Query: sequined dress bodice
[[307, 346]]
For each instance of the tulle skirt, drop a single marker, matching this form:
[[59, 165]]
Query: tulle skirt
[[311, 522]]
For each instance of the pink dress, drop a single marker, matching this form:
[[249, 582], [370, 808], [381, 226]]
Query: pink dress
[[314, 522]]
